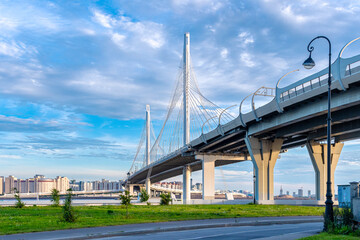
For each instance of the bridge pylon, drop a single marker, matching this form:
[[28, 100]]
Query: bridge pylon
[[186, 88], [147, 151]]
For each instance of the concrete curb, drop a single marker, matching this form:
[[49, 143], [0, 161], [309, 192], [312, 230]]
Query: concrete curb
[[202, 226]]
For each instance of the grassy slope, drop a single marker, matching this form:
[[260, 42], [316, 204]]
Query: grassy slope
[[31, 219], [325, 236]]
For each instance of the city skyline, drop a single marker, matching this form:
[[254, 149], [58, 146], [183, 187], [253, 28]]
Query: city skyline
[[41, 184], [75, 77]]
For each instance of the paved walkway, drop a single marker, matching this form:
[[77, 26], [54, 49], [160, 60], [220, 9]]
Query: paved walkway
[[148, 228]]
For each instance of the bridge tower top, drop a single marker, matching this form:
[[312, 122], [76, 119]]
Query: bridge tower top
[[186, 87], [148, 147]]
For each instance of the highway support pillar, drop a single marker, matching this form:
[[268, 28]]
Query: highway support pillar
[[264, 154], [186, 184], [148, 186], [208, 171], [208, 177], [318, 155]]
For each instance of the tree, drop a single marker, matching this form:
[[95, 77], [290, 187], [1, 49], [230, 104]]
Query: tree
[[18, 203], [144, 196], [68, 211], [125, 200], [55, 197], [165, 199]]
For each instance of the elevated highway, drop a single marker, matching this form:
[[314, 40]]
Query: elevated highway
[[296, 116]]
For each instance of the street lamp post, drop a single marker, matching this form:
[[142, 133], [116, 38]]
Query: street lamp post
[[254, 183], [308, 64]]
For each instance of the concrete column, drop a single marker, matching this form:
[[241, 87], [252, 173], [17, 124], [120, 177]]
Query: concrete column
[[264, 154], [131, 189], [147, 186], [208, 177], [318, 153], [186, 184]]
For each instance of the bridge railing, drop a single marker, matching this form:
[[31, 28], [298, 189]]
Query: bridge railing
[[341, 68]]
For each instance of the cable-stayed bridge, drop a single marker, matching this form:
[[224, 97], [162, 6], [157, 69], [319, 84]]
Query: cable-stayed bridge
[[199, 135]]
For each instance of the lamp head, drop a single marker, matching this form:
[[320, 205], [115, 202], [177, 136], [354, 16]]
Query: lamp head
[[309, 63]]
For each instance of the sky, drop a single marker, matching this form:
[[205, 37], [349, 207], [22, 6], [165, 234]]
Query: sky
[[75, 76]]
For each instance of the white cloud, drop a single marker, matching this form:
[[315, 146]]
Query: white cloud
[[289, 14], [148, 32], [10, 157], [88, 31], [8, 24], [103, 19], [119, 39], [246, 58], [246, 38], [15, 49], [224, 53], [93, 81], [200, 5]]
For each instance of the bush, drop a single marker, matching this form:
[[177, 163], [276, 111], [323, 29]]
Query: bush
[[125, 200], [144, 196], [18, 203], [165, 199], [68, 211], [55, 197], [343, 222]]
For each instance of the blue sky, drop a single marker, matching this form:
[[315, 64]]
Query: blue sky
[[75, 76]]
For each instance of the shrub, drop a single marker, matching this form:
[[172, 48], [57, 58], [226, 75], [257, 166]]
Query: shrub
[[55, 197], [68, 211], [18, 203], [165, 199], [126, 200], [110, 212], [343, 222], [144, 196]]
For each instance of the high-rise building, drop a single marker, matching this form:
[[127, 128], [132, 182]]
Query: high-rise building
[[81, 186], [45, 185], [31, 185], [40, 184], [287, 193], [22, 186], [281, 190], [10, 184], [62, 184], [1, 185], [300, 192], [309, 193]]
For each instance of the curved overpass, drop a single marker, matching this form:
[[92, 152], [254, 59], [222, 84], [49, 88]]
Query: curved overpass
[[295, 117]]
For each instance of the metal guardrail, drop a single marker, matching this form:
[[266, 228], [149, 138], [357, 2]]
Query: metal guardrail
[[339, 71], [262, 91]]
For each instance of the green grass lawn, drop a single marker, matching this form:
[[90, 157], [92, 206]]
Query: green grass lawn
[[32, 219], [326, 236]]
